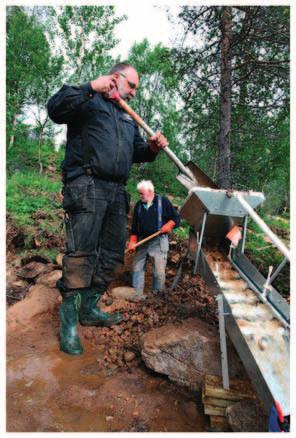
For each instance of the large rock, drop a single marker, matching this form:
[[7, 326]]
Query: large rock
[[35, 258], [33, 269], [186, 352], [50, 279], [40, 299], [247, 416], [123, 292]]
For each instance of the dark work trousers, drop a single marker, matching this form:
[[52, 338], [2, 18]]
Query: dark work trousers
[[96, 218]]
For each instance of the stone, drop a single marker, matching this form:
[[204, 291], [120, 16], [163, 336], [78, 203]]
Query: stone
[[35, 258], [175, 257], [19, 284], [50, 279], [171, 272], [123, 292], [10, 276], [187, 352], [247, 416], [129, 356], [39, 299], [32, 270], [59, 259]]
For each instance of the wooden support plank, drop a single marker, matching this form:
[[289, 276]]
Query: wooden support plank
[[239, 389], [214, 410], [219, 402]]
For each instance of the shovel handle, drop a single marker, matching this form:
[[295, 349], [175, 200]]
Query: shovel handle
[[146, 239], [150, 132]]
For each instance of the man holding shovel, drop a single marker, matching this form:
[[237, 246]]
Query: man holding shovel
[[153, 215], [102, 143]]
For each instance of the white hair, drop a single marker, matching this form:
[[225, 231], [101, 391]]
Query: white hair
[[145, 184]]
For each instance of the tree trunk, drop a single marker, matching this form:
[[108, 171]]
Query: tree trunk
[[11, 139], [224, 177], [40, 152]]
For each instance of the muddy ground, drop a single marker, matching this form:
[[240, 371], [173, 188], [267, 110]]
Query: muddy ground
[[108, 388], [48, 390]]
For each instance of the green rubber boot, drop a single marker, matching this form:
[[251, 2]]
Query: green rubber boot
[[69, 339], [90, 314]]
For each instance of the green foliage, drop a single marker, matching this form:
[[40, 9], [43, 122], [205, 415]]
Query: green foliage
[[28, 192], [157, 103], [259, 133], [263, 254], [85, 37], [183, 230], [24, 155], [27, 57]]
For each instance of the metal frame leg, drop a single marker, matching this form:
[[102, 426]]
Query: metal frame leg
[[204, 219], [245, 223], [278, 270], [223, 344]]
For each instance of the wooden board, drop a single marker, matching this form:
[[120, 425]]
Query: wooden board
[[239, 389], [214, 410], [219, 402]]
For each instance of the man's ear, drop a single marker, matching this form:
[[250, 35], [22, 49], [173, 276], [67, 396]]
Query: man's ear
[[115, 75]]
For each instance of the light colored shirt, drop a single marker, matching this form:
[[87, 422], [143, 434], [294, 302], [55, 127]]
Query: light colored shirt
[[148, 204]]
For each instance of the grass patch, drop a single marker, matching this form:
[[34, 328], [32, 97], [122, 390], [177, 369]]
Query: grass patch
[[29, 192], [263, 254]]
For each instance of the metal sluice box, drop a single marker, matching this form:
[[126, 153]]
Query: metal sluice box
[[267, 368]]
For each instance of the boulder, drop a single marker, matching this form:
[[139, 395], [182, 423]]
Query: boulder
[[10, 275], [247, 416], [40, 299], [18, 284], [123, 292], [33, 269], [50, 279], [35, 258], [187, 351]]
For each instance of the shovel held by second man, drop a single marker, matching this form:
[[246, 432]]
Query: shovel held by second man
[[157, 233]]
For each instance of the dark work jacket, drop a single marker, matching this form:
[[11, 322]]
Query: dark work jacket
[[145, 222], [114, 139]]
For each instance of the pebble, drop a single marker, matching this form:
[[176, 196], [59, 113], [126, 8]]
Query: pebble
[[129, 356]]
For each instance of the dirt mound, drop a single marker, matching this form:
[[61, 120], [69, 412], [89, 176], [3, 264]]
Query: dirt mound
[[40, 299], [190, 298]]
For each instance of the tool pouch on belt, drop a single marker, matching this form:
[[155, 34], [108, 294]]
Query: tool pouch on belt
[[79, 195]]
